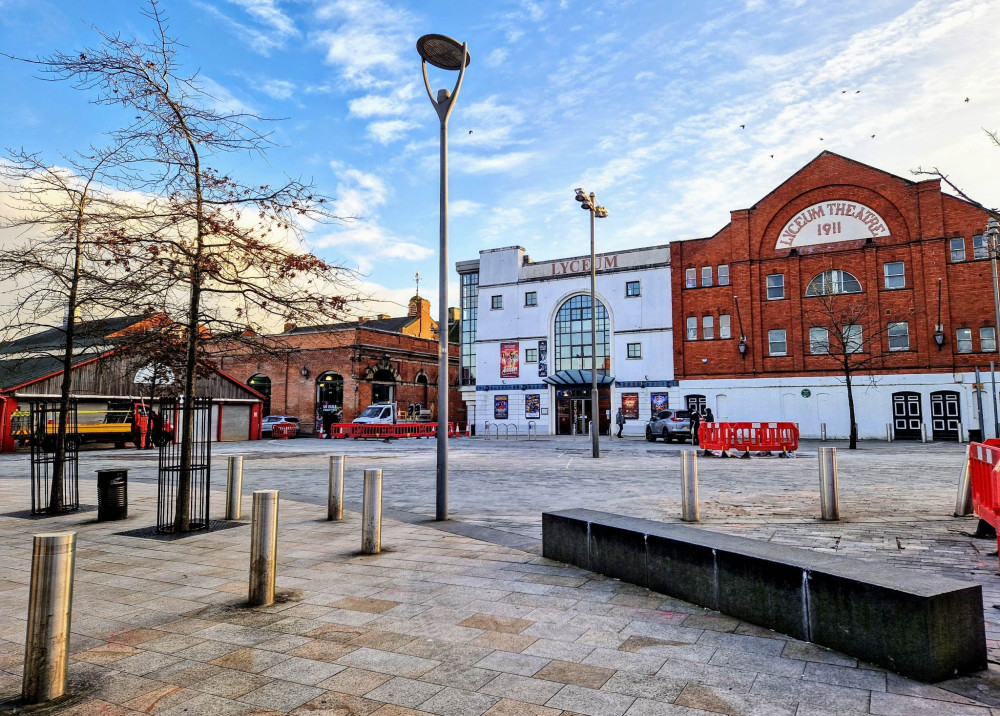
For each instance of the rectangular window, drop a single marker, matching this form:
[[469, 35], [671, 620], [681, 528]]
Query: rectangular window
[[724, 326], [776, 344], [708, 327], [690, 278], [899, 336], [692, 328], [530, 355], [724, 275], [963, 340], [957, 250], [894, 275], [987, 339], [496, 302], [635, 350], [775, 286], [706, 275], [631, 288], [979, 247], [853, 340], [819, 341], [531, 298]]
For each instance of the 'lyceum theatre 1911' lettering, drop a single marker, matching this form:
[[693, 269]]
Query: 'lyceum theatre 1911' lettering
[[831, 221]]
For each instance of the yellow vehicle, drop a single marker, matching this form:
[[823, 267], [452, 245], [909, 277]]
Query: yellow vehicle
[[122, 422]]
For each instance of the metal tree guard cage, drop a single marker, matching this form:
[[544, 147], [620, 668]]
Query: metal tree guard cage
[[170, 472], [44, 436]]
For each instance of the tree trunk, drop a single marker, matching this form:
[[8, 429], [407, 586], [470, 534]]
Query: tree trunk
[[853, 445]]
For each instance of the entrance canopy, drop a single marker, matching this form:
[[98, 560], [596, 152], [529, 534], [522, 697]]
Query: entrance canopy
[[577, 377]]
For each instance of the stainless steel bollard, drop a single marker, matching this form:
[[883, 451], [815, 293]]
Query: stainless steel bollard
[[689, 485], [335, 504], [923, 432], [371, 513], [961, 434], [829, 486], [263, 547], [963, 500], [888, 432], [822, 432], [234, 488], [50, 602]]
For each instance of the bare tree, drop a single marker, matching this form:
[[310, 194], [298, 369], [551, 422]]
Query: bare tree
[[848, 328], [71, 259], [229, 253], [944, 178]]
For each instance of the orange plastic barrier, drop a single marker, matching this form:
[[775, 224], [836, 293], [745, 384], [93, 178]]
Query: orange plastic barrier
[[283, 430], [388, 431], [746, 437]]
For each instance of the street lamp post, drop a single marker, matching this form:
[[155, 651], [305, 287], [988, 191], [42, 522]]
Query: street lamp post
[[992, 236], [446, 54], [589, 203]]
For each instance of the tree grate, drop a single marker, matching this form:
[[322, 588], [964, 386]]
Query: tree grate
[[154, 534], [32, 515]]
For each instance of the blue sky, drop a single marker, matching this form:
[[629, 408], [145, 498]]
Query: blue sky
[[640, 102]]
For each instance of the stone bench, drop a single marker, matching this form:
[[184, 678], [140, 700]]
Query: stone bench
[[926, 627]]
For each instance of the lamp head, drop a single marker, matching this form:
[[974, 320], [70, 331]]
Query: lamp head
[[585, 204], [939, 338], [601, 212], [443, 52], [992, 227], [581, 195]]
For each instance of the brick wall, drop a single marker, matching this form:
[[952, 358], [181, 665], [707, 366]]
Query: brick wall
[[920, 219]]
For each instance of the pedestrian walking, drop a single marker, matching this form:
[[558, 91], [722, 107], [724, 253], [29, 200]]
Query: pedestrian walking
[[695, 422], [620, 421]]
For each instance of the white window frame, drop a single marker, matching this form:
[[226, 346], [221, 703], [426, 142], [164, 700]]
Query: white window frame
[[691, 333], [725, 330], [980, 249], [777, 285], [957, 249], [902, 337], [690, 278], [708, 328], [706, 276], [723, 274], [777, 336], [819, 345], [854, 340], [892, 277], [987, 343], [963, 337]]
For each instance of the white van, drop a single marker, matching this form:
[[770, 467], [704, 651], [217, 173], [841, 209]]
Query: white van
[[380, 414]]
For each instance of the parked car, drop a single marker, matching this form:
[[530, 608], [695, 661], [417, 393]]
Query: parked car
[[669, 425], [271, 420]]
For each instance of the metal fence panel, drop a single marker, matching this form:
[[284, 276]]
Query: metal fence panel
[[172, 471], [44, 436]]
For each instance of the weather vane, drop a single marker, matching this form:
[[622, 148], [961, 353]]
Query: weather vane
[[416, 278]]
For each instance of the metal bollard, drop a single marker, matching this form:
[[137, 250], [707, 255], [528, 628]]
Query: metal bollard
[[689, 485], [923, 432], [335, 504], [263, 547], [963, 501], [234, 488], [888, 432], [822, 432], [371, 513], [961, 434], [50, 602], [829, 486]]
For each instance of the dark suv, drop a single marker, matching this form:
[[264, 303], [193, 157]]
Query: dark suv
[[669, 424]]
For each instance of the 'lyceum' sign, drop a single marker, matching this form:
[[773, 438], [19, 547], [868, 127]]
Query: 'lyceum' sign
[[831, 221]]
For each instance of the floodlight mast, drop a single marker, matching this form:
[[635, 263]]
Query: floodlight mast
[[447, 54]]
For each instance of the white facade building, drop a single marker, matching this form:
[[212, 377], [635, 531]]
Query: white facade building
[[526, 348]]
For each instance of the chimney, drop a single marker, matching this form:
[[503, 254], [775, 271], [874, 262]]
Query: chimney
[[420, 308], [290, 327]]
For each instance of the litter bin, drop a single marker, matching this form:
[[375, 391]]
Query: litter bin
[[112, 495]]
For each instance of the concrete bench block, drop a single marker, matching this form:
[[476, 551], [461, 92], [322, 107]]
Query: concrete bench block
[[926, 627]]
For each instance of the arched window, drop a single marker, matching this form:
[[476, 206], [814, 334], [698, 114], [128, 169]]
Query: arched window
[[833, 282], [383, 386], [262, 384], [572, 336]]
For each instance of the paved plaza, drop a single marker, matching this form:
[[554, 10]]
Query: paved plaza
[[466, 618]]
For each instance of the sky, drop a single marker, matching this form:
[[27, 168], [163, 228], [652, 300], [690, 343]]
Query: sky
[[673, 113]]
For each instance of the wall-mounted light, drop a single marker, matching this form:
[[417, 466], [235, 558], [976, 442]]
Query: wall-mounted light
[[355, 387], [704, 360], [304, 372], [939, 337], [742, 347]]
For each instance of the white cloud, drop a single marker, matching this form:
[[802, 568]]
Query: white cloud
[[221, 99], [395, 103], [389, 130], [278, 89], [464, 207], [492, 164], [497, 57], [266, 12], [279, 27]]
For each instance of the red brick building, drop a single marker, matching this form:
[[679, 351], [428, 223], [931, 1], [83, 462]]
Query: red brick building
[[342, 368], [841, 262]]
